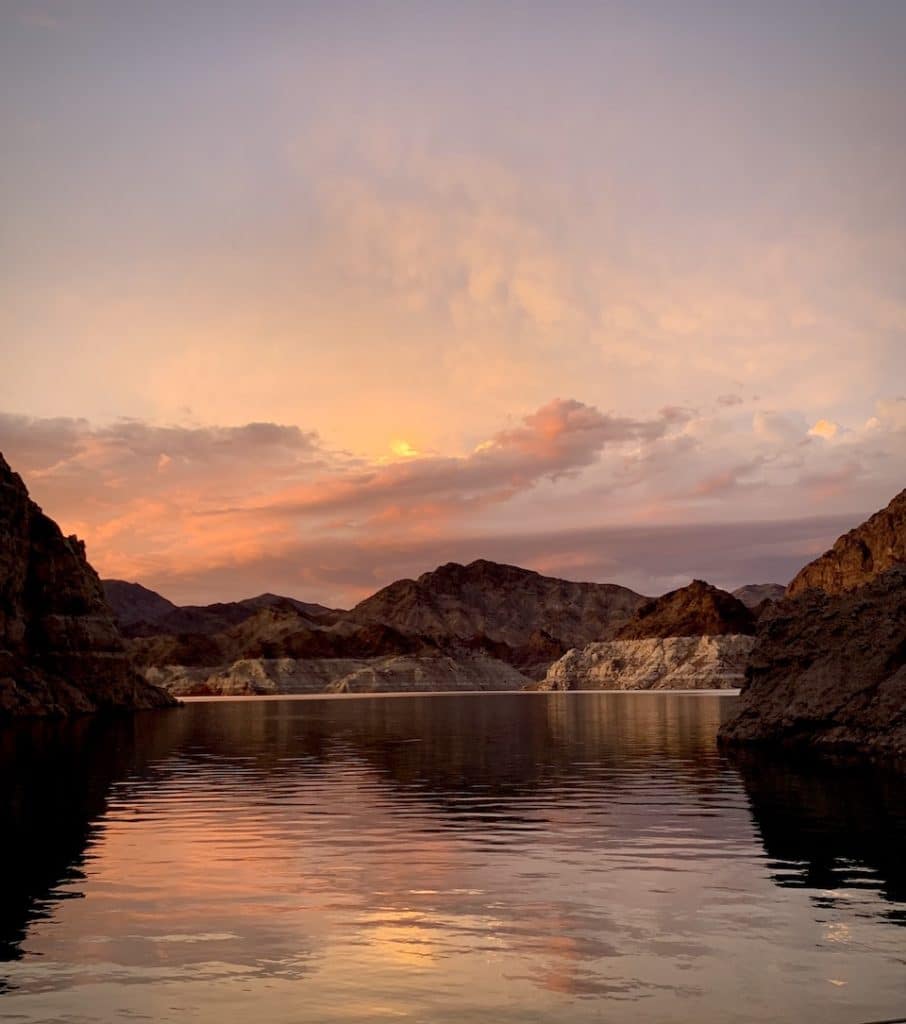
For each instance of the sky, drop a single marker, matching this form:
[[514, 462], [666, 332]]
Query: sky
[[305, 297]]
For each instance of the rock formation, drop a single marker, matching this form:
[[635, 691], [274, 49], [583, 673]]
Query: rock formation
[[522, 619], [396, 674], [829, 667], [672, 663], [753, 595], [142, 612], [860, 555], [696, 610], [277, 632], [60, 651], [502, 603]]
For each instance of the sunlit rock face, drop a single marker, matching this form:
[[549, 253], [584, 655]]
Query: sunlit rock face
[[829, 667], [655, 663], [698, 609], [60, 650], [860, 555], [396, 674]]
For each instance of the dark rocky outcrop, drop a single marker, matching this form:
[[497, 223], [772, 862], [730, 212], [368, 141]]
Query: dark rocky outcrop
[[829, 671], [143, 612], [696, 610], [829, 666], [60, 650], [860, 555], [502, 603]]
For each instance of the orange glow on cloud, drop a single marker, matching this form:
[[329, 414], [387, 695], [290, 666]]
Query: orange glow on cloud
[[243, 508]]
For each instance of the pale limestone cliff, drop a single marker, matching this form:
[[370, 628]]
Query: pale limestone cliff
[[662, 663], [398, 673]]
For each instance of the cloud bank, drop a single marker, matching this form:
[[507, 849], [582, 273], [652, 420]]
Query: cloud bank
[[730, 493]]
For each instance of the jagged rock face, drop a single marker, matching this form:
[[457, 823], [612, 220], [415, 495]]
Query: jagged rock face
[[860, 555], [60, 650], [669, 663], [753, 595], [829, 671], [502, 603], [396, 674], [696, 610]]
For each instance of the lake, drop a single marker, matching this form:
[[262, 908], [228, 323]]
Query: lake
[[529, 857]]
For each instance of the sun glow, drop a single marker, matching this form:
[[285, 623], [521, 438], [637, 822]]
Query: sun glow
[[404, 450]]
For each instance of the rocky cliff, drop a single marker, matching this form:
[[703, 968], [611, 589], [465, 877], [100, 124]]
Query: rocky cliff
[[671, 663], [860, 555], [829, 672], [696, 610], [829, 667], [60, 650]]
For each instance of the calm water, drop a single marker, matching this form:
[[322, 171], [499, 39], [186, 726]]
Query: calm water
[[518, 857]]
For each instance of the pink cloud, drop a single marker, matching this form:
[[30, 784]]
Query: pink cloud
[[215, 512]]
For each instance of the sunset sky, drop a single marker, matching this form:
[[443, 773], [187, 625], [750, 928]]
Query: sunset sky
[[305, 297]]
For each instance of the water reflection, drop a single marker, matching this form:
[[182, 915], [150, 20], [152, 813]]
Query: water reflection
[[519, 857], [830, 828]]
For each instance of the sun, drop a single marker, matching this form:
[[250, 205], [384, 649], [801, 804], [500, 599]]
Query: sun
[[403, 449]]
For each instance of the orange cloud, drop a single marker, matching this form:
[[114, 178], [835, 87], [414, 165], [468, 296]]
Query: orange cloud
[[207, 513]]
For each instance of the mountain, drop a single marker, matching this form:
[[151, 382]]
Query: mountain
[[142, 612], [275, 632], [753, 595], [60, 650], [502, 624], [502, 603], [858, 556], [829, 667], [695, 610], [131, 602]]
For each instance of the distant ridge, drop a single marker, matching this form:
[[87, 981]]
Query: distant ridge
[[143, 612]]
